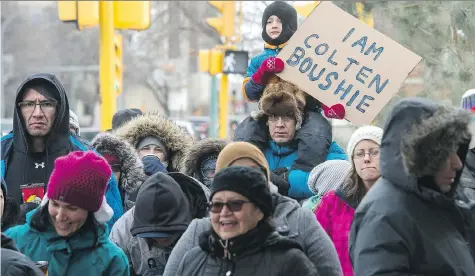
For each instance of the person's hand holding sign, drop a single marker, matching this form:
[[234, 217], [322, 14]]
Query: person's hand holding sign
[[270, 66], [336, 111]]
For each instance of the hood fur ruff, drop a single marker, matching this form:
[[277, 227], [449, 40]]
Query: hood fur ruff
[[282, 98], [151, 124], [199, 151], [132, 175], [428, 145]]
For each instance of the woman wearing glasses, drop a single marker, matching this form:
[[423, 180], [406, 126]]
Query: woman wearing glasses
[[242, 240], [336, 209]]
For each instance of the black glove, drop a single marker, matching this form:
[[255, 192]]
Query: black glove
[[281, 183], [280, 172]]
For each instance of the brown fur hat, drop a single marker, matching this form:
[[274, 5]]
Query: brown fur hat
[[282, 98]]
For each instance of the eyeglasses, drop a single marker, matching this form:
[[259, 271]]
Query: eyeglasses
[[233, 206], [275, 118], [46, 106], [360, 154]]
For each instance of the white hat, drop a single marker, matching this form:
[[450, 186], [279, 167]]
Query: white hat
[[74, 121], [372, 133]]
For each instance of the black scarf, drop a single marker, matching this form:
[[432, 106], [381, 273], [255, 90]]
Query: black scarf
[[252, 241]]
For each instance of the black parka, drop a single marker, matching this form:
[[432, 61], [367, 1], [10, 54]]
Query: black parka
[[405, 225]]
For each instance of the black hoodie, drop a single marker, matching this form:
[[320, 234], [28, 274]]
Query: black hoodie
[[405, 225], [161, 206], [57, 142]]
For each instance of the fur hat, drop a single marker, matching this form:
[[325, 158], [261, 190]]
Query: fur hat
[[282, 98], [121, 152], [199, 152], [430, 142], [152, 124]]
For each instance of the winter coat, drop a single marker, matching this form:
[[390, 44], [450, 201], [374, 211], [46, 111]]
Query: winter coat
[[131, 169], [404, 225], [467, 181], [140, 254], [291, 221], [285, 157], [75, 255], [14, 149], [335, 213], [260, 251], [251, 90], [198, 152], [14, 263], [150, 124]]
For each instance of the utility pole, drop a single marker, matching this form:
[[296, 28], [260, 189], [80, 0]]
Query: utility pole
[[106, 63]]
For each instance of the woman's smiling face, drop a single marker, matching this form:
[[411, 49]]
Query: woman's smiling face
[[65, 217]]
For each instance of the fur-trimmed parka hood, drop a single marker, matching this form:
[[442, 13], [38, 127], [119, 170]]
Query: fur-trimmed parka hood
[[282, 98], [198, 152], [152, 124], [419, 136], [132, 173]]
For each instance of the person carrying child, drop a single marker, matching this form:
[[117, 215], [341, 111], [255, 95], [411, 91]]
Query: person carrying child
[[314, 138]]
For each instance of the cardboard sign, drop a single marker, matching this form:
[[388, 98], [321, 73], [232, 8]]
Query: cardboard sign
[[336, 58]]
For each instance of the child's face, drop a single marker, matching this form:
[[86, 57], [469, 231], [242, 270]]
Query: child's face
[[273, 27]]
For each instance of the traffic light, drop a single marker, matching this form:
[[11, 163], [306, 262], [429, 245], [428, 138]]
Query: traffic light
[[67, 11], [365, 13], [118, 63], [132, 15], [203, 60], [224, 25], [215, 62], [306, 10], [87, 14]]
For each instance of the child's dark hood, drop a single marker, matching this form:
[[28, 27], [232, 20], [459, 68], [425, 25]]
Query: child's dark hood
[[287, 15], [161, 206], [58, 139], [419, 136]]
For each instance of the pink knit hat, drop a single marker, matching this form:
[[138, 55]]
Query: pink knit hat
[[80, 179]]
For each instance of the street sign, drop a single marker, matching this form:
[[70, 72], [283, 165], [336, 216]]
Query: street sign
[[235, 62]]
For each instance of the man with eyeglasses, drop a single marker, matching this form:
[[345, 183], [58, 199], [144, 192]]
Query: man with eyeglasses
[[40, 135], [285, 114]]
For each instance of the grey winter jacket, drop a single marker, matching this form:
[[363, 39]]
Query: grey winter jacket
[[141, 256], [291, 221], [151, 260], [14, 263], [405, 225]]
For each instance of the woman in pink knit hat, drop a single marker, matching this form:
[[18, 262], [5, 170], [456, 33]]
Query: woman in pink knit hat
[[68, 230]]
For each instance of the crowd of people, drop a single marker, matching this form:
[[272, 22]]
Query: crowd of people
[[282, 198]]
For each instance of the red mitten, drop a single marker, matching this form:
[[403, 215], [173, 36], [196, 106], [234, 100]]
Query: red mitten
[[336, 111], [269, 66]]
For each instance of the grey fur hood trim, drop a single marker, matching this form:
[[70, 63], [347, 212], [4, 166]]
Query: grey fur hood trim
[[152, 124], [199, 151], [131, 165], [429, 143]]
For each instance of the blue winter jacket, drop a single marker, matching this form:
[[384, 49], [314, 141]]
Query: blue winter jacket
[[14, 146], [76, 255], [251, 90], [285, 156]]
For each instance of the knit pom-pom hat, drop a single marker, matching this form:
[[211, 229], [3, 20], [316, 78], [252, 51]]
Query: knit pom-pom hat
[[80, 179], [372, 133]]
